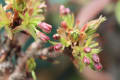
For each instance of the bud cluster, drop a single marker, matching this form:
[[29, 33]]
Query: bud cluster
[[45, 27], [63, 10], [81, 40]]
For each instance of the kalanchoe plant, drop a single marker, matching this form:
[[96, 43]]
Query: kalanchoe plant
[[79, 39]]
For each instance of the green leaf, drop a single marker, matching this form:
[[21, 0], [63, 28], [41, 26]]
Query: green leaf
[[81, 66], [32, 32], [96, 51], [94, 45], [3, 17], [117, 11], [65, 42], [34, 75], [88, 42], [69, 19], [21, 16], [93, 25], [52, 42], [90, 31], [31, 64]]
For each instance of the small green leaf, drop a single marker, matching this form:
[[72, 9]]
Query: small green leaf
[[93, 25], [94, 45], [69, 19], [32, 32], [34, 75], [96, 51], [88, 42], [65, 42], [52, 42], [31, 64]]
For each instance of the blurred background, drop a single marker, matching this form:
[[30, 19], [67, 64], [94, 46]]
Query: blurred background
[[62, 68]]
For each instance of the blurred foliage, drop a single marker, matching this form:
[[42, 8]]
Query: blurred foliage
[[117, 11], [58, 1]]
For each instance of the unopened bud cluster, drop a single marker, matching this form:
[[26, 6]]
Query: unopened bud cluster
[[80, 40]]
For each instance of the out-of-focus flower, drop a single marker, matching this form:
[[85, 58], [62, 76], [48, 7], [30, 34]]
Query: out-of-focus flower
[[42, 36], [45, 27], [63, 10], [56, 36], [86, 60], [43, 5], [98, 66], [95, 58], [57, 47], [87, 50], [8, 6]]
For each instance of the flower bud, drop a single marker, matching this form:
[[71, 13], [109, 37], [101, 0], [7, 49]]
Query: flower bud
[[87, 50], [67, 11], [74, 36], [56, 36], [42, 36], [86, 60], [63, 10], [84, 28], [98, 66], [57, 47], [95, 58], [45, 27], [42, 5], [64, 24]]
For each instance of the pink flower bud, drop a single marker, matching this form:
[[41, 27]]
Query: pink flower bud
[[95, 58], [57, 47], [86, 60], [87, 50], [56, 36], [67, 11], [64, 24], [45, 27], [63, 10], [42, 36], [43, 5], [98, 66]]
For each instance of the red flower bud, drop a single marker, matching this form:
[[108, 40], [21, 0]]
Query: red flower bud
[[56, 36], [45, 27], [86, 60], [87, 50], [95, 58], [63, 10], [98, 66], [64, 24], [42, 36], [57, 47], [84, 28]]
